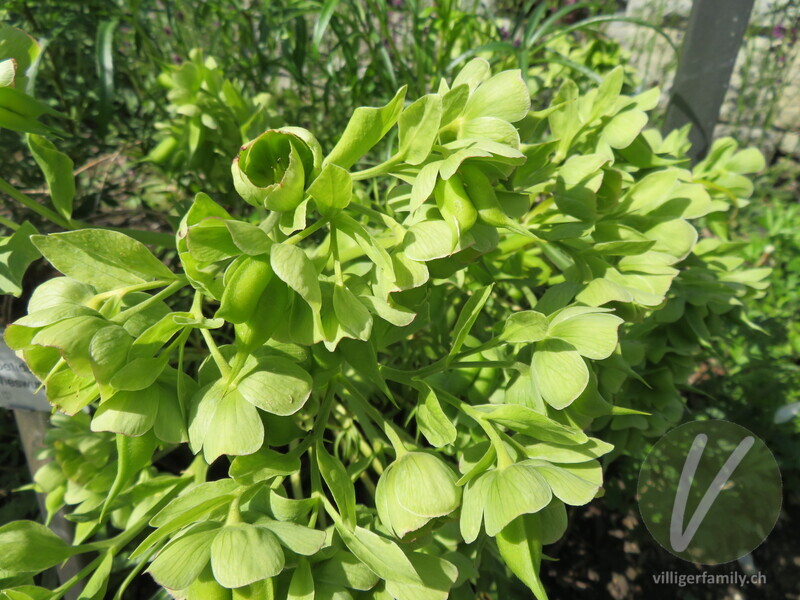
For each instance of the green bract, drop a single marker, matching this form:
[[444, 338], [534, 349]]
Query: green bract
[[274, 169], [408, 369], [413, 490]]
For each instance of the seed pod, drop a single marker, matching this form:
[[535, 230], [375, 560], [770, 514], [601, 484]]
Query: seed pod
[[453, 202], [244, 287], [269, 311], [415, 489]]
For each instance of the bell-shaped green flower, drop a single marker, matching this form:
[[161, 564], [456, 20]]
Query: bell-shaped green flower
[[415, 489], [274, 169]]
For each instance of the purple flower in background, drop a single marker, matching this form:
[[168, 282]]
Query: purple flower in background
[[504, 33], [397, 3], [778, 32]]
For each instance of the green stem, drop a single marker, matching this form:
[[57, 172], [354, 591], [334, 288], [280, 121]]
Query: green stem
[[165, 293], [222, 364], [381, 169], [40, 210], [67, 585], [388, 428], [135, 571], [8, 223], [337, 265], [120, 292], [298, 237]]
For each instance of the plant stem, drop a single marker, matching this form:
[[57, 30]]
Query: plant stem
[[8, 223], [298, 237], [388, 428], [67, 585], [381, 169], [165, 293], [30, 203]]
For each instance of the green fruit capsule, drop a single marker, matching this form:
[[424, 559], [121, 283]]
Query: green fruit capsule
[[244, 287], [454, 203], [270, 310]]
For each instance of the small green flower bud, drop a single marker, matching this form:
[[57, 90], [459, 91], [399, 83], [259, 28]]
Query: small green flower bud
[[415, 489], [274, 169]]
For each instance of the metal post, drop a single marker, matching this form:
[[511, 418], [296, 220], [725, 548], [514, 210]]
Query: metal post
[[713, 37]]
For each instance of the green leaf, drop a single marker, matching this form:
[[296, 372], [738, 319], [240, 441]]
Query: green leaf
[[223, 423], [244, 554], [133, 454], [510, 492], [559, 372], [249, 238], [72, 337], [472, 506], [520, 545], [433, 423], [263, 465], [301, 587], [591, 332], [185, 557], [418, 127], [302, 540], [429, 240], [556, 453], [623, 128], [352, 315], [295, 269], [345, 570], [504, 96], [365, 129], [382, 556], [279, 387], [95, 588], [531, 423], [325, 14], [29, 547], [331, 190], [192, 498], [467, 317], [57, 169], [105, 69], [437, 576], [524, 327], [16, 254], [105, 259], [608, 93], [576, 484], [338, 481]]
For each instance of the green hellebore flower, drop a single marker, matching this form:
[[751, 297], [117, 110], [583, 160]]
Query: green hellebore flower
[[239, 555], [275, 169], [414, 489]]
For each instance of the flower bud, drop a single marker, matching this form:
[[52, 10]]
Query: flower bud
[[274, 169], [415, 489]]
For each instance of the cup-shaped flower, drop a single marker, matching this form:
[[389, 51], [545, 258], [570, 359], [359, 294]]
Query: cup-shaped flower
[[415, 489], [274, 169]]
